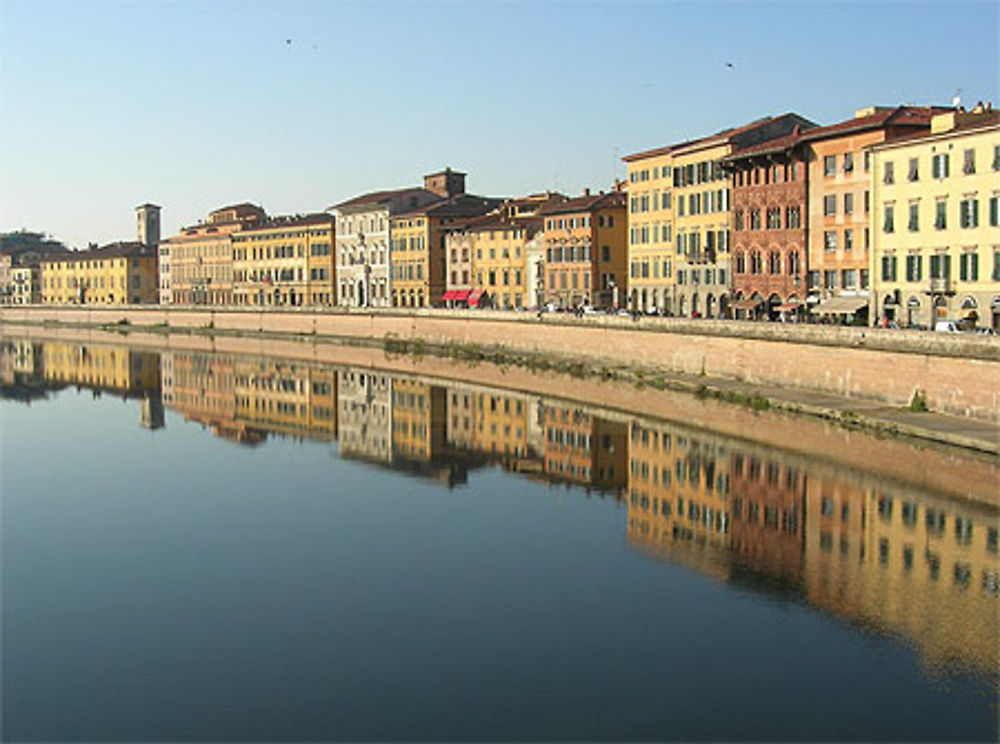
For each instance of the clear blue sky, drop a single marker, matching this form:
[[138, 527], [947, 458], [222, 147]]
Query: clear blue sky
[[192, 105]]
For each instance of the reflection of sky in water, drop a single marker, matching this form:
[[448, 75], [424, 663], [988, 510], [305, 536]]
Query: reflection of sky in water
[[166, 583]]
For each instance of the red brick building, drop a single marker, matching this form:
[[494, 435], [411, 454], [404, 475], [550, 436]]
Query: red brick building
[[770, 216]]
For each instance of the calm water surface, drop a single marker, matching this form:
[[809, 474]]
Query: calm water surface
[[213, 547]]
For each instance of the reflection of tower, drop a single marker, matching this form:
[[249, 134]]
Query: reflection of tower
[[149, 224], [152, 411]]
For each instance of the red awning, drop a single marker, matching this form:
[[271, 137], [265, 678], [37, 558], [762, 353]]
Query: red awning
[[474, 297], [449, 295], [462, 294]]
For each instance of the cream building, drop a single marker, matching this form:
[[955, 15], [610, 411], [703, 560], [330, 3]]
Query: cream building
[[364, 277], [935, 219]]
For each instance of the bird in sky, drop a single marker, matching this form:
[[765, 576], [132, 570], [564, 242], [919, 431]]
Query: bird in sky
[[729, 65]]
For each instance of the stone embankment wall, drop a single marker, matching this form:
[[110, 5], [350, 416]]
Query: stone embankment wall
[[956, 373]]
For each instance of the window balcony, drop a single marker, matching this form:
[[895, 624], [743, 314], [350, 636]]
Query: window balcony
[[940, 285]]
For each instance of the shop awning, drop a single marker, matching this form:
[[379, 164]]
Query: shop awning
[[456, 294], [787, 306], [474, 297], [746, 304], [449, 295], [837, 305]]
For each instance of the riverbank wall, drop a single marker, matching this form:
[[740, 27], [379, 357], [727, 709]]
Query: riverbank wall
[[957, 374]]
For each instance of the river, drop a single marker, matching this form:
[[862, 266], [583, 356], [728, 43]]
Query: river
[[221, 546]]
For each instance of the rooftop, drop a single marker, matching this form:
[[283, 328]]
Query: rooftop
[[120, 249], [587, 202], [876, 118]]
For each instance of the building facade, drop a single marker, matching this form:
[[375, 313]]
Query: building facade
[[936, 223], [418, 249], [650, 230], [19, 250], [285, 261], [770, 212], [26, 285], [115, 274], [196, 266], [840, 204], [703, 214], [586, 243], [363, 236]]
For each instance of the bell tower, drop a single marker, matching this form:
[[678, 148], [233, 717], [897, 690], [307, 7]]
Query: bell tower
[[149, 224]]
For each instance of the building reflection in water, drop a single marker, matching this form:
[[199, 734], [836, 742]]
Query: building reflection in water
[[880, 554]]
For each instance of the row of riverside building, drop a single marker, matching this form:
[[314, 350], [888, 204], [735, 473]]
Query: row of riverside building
[[891, 216]]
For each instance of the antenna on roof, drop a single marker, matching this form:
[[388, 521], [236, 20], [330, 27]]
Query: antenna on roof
[[956, 100]]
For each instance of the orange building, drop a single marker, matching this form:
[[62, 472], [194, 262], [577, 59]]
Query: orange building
[[586, 245], [840, 206]]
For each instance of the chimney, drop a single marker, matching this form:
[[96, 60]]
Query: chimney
[[586, 192]]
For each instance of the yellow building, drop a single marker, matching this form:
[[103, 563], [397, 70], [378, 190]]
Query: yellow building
[[110, 368], [418, 253], [285, 261], [936, 214], [196, 266], [499, 251], [650, 229], [115, 274]]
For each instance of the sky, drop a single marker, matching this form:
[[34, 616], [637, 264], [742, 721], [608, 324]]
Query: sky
[[298, 105]]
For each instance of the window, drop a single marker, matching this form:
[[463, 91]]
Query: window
[[940, 266], [940, 214], [914, 171], [829, 279], [939, 166], [968, 267], [829, 165], [996, 157], [848, 240], [969, 162], [830, 240], [914, 223], [914, 268], [738, 219], [774, 218], [968, 213], [888, 175], [755, 219], [829, 205], [848, 203], [889, 224], [849, 278], [995, 211], [774, 263], [996, 265], [848, 162], [868, 160], [888, 268]]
